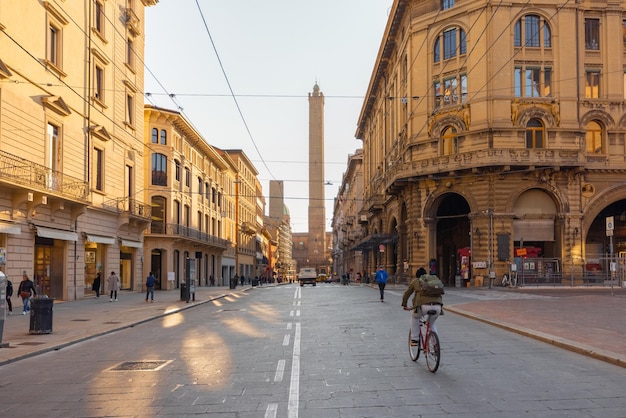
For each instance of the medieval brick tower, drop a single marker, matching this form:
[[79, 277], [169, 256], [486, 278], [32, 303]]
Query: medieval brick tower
[[317, 215]]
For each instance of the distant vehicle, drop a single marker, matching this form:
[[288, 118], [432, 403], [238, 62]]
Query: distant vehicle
[[321, 278], [307, 275]]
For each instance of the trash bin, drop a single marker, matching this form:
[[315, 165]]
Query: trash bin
[[233, 283], [41, 316], [183, 292]]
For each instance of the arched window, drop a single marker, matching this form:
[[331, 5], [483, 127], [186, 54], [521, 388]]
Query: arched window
[[449, 141], [534, 134], [528, 32], [158, 215], [155, 136], [159, 169], [449, 44], [163, 137], [594, 135]]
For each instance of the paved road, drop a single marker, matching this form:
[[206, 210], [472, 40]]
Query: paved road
[[329, 351], [591, 321]]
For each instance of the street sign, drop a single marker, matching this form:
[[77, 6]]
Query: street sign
[[610, 226]]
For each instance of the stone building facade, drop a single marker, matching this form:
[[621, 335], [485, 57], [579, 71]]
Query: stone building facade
[[71, 143], [494, 140]]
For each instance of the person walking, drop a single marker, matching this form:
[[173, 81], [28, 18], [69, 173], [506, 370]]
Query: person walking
[[381, 278], [95, 286], [26, 290], [8, 296], [114, 285], [150, 282]]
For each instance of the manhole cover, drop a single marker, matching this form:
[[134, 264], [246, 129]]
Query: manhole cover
[[137, 366]]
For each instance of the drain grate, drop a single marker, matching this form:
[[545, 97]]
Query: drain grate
[[230, 310], [140, 366], [31, 343], [81, 320], [112, 322]]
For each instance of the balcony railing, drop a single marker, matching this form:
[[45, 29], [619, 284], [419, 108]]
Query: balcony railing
[[189, 233], [39, 178], [129, 206]]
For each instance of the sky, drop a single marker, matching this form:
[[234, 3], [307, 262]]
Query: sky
[[240, 71]]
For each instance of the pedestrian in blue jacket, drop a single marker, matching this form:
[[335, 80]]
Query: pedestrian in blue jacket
[[150, 282], [381, 278]]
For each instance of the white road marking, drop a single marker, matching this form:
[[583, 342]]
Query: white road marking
[[286, 340], [294, 387], [280, 371], [271, 410]]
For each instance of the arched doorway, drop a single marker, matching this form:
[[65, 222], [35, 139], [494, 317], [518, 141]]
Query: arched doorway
[[453, 234]]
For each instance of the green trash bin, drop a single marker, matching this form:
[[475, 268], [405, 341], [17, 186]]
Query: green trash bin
[[41, 316]]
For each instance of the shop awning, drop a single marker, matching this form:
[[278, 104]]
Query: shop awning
[[132, 244], [99, 239], [6, 228], [56, 234], [373, 241]]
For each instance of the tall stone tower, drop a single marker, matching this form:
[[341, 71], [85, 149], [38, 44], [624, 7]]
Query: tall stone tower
[[317, 215]]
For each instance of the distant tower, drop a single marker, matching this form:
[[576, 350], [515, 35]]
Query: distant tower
[[317, 215]]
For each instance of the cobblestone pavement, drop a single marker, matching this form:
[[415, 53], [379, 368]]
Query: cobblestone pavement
[[590, 321]]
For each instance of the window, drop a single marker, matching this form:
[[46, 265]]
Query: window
[[207, 191], [163, 137], [527, 32], [447, 4], [454, 43], [130, 109], [53, 148], [593, 138], [98, 169], [624, 32], [533, 81], [449, 141], [54, 45], [159, 169], [130, 53], [177, 172], [592, 34], [534, 134], [454, 90], [187, 178], [592, 84], [200, 186], [99, 83], [99, 17], [155, 136], [158, 215]]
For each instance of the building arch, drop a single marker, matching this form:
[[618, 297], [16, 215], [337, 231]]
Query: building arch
[[527, 113], [597, 115]]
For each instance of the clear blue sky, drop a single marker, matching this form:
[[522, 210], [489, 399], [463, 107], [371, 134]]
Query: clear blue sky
[[272, 53]]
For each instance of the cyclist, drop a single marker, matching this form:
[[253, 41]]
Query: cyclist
[[421, 305]]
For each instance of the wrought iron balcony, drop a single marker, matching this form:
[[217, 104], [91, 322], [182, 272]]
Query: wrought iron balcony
[[131, 207], [38, 178], [181, 231]]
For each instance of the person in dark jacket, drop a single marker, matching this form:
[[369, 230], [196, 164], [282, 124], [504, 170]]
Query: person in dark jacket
[[150, 283], [95, 286], [8, 296], [26, 290]]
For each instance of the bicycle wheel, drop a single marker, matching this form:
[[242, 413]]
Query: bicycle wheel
[[433, 352], [414, 350]]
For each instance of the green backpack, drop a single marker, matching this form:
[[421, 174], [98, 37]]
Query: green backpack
[[431, 285]]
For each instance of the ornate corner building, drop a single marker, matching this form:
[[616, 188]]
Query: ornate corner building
[[494, 141]]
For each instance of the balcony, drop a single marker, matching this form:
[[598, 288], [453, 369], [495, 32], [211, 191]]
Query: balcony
[[38, 178], [181, 231], [130, 211], [504, 159]]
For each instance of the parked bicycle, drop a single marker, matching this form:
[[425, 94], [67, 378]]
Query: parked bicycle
[[509, 280], [428, 343]]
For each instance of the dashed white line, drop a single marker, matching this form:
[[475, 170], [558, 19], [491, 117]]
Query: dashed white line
[[286, 339], [294, 387], [280, 371], [271, 410]]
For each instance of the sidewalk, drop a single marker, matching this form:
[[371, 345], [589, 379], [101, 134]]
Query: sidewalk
[[83, 319]]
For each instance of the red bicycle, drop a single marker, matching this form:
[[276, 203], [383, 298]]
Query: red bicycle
[[428, 342]]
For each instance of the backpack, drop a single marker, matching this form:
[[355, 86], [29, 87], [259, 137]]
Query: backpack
[[431, 285]]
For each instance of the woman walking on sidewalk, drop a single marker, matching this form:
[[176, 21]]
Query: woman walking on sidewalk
[[26, 290], [114, 285]]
